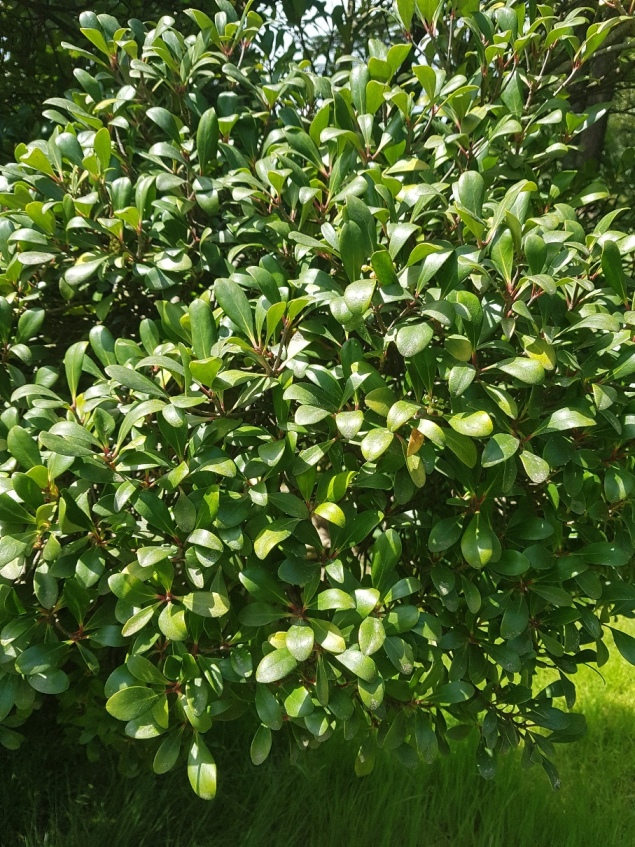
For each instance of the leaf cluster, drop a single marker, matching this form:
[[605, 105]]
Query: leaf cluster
[[318, 394]]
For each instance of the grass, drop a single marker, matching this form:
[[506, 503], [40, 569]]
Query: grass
[[51, 798]]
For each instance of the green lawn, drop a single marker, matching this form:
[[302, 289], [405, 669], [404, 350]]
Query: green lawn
[[50, 799]]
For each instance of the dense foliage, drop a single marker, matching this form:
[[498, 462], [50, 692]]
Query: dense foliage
[[317, 393], [34, 34]]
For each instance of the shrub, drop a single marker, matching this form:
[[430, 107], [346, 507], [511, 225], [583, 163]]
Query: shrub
[[344, 447]]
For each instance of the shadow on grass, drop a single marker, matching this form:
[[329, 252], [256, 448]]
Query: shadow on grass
[[52, 797]]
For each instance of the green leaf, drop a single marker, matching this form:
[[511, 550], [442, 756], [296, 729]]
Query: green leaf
[[23, 447], [259, 614], [563, 419], [471, 191], [260, 745], [462, 446], [371, 635], [525, 370], [275, 666], [606, 553], [166, 120], [29, 324], [406, 10], [536, 252], [300, 640], [384, 269], [234, 303], [168, 753], [272, 535], [103, 147], [385, 555], [460, 379], [203, 330], [328, 636], [625, 644], [444, 534], [82, 271], [537, 469], [331, 512], [375, 443], [380, 400], [400, 654], [201, 769], [73, 364], [366, 600], [172, 622], [308, 415], [137, 621], [129, 588], [452, 693], [358, 296], [399, 235], [272, 452], [143, 670], [207, 140], [134, 381], [358, 528], [472, 595], [269, 710], [204, 371], [353, 249], [207, 604], [359, 664], [399, 413], [10, 549], [129, 703], [298, 703], [12, 512], [552, 594], [50, 682], [499, 448], [515, 617], [37, 159], [475, 425], [512, 93], [40, 658], [359, 79], [334, 598], [477, 543], [612, 268], [503, 255], [349, 423]]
